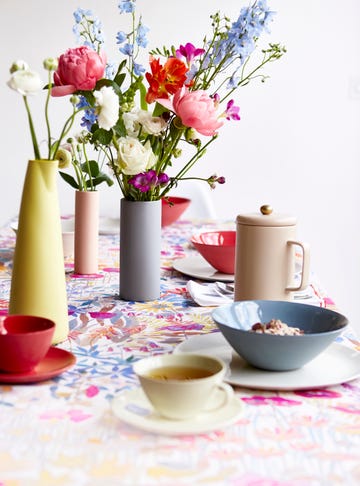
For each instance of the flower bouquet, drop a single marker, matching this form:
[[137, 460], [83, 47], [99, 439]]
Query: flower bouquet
[[142, 116]]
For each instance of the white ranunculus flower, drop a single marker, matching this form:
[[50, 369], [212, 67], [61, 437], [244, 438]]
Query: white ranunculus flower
[[25, 82], [130, 120], [107, 107], [63, 156], [133, 156], [153, 125], [136, 119]]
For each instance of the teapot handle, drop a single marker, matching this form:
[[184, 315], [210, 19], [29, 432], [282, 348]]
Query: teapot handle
[[305, 269]]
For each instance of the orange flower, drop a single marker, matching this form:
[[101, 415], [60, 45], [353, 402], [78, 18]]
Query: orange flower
[[165, 80]]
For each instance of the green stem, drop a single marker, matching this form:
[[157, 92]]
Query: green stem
[[89, 169], [66, 128], [186, 167], [47, 115], [32, 131]]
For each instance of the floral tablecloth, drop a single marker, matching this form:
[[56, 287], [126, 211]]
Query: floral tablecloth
[[63, 431]]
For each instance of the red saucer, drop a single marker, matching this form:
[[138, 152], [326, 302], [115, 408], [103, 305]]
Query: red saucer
[[56, 361]]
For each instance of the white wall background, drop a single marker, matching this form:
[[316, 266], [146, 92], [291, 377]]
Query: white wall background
[[296, 146]]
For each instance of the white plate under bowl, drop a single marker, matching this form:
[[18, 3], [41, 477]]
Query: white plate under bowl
[[197, 267], [133, 408], [337, 364]]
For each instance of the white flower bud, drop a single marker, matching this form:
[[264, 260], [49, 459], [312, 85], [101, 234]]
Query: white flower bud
[[25, 82], [51, 63], [19, 66]]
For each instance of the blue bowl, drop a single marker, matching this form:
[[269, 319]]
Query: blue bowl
[[274, 352]]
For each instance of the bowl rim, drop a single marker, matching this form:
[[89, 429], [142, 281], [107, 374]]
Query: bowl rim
[[194, 240], [175, 200], [277, 336]]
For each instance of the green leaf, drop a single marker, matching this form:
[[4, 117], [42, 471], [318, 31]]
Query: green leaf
[[102, 136], [102, 177], [103, 82], [119, 128], [143, 92], [91, 168], [119, 79], [69, 179], [159, 109]]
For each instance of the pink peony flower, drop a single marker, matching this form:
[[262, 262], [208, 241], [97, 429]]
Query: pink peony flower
[[196, 110], [79, 69]]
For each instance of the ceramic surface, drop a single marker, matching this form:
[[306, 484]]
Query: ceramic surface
[[172, 212], [273, 352], [55, 362], [218, 249], [197, 267], [133, 407], [337, 364], [24, 341], [183, 398]]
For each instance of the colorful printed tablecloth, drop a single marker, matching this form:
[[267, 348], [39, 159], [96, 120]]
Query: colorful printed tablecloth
[[63, 431]]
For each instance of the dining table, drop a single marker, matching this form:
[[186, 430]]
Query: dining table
[[82, 420]]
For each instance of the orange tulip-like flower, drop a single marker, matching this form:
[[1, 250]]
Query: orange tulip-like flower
[[165, 80]]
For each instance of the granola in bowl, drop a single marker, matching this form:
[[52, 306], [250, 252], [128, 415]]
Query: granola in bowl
[[276, 326]]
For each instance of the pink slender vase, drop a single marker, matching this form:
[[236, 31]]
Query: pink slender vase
[[86, 232]]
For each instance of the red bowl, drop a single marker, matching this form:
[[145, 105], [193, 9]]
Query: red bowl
[[218, 249], [172, 209], [24, 342]]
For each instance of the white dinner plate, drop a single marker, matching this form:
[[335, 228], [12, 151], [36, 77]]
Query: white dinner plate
[[109, 226], [337, 364], [196, 266], [133, 408]]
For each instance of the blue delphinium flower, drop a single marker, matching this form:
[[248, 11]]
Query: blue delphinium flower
[[139, 70], [126, 6], [141, 38], [127, 49], [240, 40], [80, 13], [89, 117], [110, 70], [88, 29], [121, 37]]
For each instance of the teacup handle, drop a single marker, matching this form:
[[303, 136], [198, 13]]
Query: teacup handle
[[228, 394], [305, 268]]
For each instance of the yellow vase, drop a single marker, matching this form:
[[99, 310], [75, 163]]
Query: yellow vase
[[38, 285]]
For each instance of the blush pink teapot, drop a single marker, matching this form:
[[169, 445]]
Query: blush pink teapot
[[265, 254]]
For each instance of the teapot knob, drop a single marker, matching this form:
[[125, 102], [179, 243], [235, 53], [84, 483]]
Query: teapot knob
[[266, 209]]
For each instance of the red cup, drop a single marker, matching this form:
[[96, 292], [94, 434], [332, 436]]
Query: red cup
[[24, 342]]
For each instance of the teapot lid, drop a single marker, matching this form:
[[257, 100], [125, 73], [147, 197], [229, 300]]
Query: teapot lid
[[266, 217]]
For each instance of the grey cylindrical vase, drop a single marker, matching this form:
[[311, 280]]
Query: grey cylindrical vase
[[140, 246]]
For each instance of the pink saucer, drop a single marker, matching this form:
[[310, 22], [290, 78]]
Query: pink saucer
[[56, 361]]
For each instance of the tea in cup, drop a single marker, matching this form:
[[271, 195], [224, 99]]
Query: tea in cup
[[181, 386], [24, 341]]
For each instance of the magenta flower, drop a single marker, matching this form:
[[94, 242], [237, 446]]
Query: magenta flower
[[163, 179], [145, 181], [189, 51], [232, 111]]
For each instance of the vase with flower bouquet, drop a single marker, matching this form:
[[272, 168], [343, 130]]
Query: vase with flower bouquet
[[183, 97], [38, 285]]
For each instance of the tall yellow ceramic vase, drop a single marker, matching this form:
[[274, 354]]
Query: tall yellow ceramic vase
[[38, 285]]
